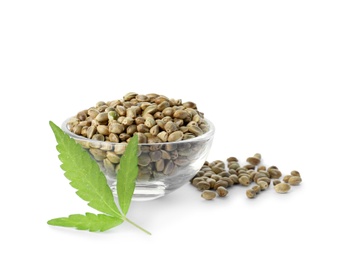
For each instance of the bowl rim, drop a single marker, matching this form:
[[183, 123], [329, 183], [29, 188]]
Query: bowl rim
[[206, 135]]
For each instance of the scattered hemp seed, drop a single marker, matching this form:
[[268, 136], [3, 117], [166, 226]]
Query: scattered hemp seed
[[282, 187], [250, 194], [254, 160], [295, 180], [222, 192], [216, 177], [276, 181], [208, 194], [295, 173]]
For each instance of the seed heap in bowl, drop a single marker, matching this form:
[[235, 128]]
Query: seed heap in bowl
[[155, 119], [213, 179]]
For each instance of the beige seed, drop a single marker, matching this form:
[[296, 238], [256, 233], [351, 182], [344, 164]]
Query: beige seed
[[109, 167], [282, 187], [261, 168], [295, 180], [196, 118], [82, 115], [130, 130], [254, 160], [212, 182], [265, 172], [155, 155], [168, 111], [276, 181], [91, 131], [116, 128], [142, 128], [142, 98], [263, 185], [234, 178], [286, 178], [203, 185], [113, 157], [150, 122], [195, 130], [139, 120], [121, 110], [98, 154], [181, 114], [244, 180], [144, 159], [250, 194], [196, 180], [228, 180], [92, 112], [85, 123], [106, 146], [266, 179], [224, 174], [233, 171], [120, 148], [154, 130], [102, 117], [102, 108], [208, 194], [84, 144], [128, 121], [249, 167], [84, 131], [221, 191], [256, 189], [98, 137], [274, 173], [150, 110], [175, 136], [231, 159], [257, 176], [217, 169], [114, 138], [77, 129], [219, 183], [114, 103], [295, 173], [233, 165], [130, 96], [216, 177], [165, 155], [170, 147], [132, 111], [169, 168], [189, 104], [170, 127], [163, 136], [246, 175], [103, 129], [181, 161], [124, 137]]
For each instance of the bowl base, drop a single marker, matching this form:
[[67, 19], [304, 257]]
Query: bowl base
[[145, 191]]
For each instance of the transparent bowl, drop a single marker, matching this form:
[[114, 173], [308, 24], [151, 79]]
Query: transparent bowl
[[163, 167]]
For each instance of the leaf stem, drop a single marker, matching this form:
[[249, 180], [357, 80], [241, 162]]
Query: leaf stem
[[137, 226]]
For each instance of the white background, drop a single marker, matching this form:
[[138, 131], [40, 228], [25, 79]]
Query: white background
[[283, 78]]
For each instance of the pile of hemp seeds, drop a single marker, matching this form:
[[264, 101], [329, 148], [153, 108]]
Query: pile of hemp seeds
[[214, 180], [154, 118]]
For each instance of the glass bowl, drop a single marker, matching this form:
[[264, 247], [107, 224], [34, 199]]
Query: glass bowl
[[163, 167]]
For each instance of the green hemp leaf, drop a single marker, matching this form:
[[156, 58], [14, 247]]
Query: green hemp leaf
[[127, 175], [91, 185]]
